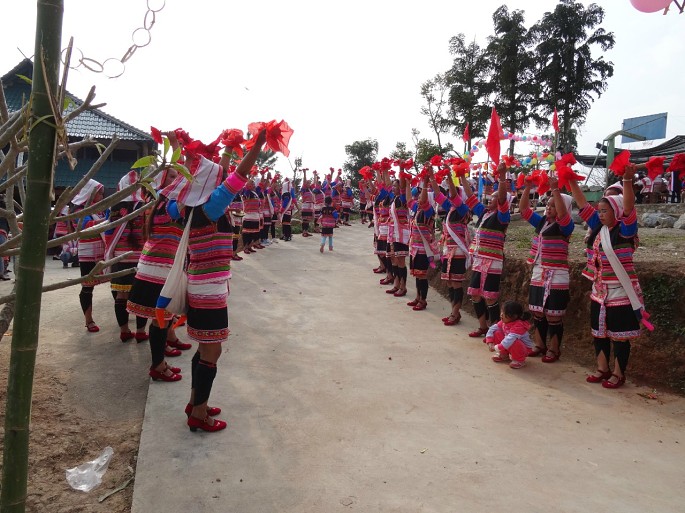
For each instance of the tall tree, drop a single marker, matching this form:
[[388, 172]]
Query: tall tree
[[515, 87], [435, 92], [470, 88], [571, 77], [42, 143], [359, 154], [401, 152]]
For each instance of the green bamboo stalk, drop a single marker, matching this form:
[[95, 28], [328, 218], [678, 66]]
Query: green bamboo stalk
[[32, 265]]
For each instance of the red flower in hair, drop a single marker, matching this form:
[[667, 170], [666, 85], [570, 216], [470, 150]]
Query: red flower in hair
[[618, 166], [156, 135], [655, 166], [436, 160], [233, 139], [278, 135]]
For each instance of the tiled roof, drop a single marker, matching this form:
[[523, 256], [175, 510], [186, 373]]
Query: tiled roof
[[94, 122]]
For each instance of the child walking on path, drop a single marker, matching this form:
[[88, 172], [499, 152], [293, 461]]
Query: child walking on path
[[509, 337], [329, 217]]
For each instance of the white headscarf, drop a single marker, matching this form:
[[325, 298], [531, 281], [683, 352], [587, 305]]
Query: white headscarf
[[87, 194], [207, 176], [129, 179], [616, 203]]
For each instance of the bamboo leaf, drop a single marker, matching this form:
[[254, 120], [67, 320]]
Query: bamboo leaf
[[183, 170], [25, 79], [144, 162]]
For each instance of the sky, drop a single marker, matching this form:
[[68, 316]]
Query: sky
[[336, 72]]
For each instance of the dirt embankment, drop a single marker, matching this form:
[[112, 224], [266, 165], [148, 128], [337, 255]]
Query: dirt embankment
[[657, 358]]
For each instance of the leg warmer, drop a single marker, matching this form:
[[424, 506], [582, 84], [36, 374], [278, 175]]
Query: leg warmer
[[193, 369], [85, 297], [120, 312], [541, 325], [622, 353], [140, 322], [157, 343], [556, 329], [493, 312], [602, 345], [458, 296], [204, 378], [480, 308]]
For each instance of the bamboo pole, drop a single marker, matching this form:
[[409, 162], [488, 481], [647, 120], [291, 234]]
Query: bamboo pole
[[42, 146]]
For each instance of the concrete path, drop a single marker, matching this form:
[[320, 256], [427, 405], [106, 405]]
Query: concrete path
[[339, 397]]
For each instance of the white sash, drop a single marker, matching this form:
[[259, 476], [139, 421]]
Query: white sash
[[620, 271], [459, 243], [426, 246]]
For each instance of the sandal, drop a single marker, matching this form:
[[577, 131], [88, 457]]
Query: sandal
[[92, 327], [451, 320], [480, 332], [551, 356]]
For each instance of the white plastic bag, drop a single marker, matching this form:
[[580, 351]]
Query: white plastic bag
[[87, 476]]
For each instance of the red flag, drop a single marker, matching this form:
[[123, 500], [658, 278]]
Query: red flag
[[466, 135], [555, 121], [494, 135]]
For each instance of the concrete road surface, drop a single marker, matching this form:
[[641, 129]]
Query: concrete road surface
[[339, 397]]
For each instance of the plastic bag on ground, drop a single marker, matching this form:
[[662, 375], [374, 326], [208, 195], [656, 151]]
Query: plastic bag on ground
[[88, 475]]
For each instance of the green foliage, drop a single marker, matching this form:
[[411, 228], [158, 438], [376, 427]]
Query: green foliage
[[359, 154], [469, 87], [510, 54], [659, 293], [572, 69], [435, 93]]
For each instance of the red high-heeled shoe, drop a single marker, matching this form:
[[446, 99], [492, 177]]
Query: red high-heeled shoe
[[480, 332], [391, 291], [160, 376], [608, 384], [400, 293], [171, 352], [212, 411], [125, 337], [413, 303], [141, 337], [178, 344], [194, 424], [551, 356], [421, 305], [379, 270], [452, 321], [598, 379], [92, 327], [386, 281]]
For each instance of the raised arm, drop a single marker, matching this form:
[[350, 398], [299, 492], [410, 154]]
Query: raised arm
[[559, 204], [577, 194], [628, 193], [503, 184], [524, 202], [249, 160]]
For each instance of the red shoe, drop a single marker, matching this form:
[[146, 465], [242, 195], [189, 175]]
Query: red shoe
[[478, 333], [391, 291], [175, 370], [157, 376], [194, 424], [258, 246], [125, 337], [400, 293], [413, 303], [92, 327], [421, 305], [178, 344], [236, 258], [212, 411], [141, 337], [538, 351], [171, 352], [378, 270], [551, 356], [452, 321], [386, 281], [604, 375], [608, 384]]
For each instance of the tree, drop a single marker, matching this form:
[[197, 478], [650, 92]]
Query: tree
[[515, 86], [401, 152], [435, 93], [571, 78], [470, 88], [360, 154]]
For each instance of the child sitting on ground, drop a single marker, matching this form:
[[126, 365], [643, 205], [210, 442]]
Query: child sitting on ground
[[509, 337]]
